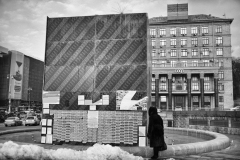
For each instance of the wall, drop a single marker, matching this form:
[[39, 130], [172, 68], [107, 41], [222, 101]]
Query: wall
[[227, 122]]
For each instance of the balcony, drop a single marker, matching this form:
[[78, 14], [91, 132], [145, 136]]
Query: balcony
[[179, 88], [209, 90], [195, 87], [163, 89], [189, 65]]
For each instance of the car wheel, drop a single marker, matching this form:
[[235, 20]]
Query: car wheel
[[5, 125]]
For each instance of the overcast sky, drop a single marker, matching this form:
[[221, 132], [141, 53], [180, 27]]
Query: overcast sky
[[23, 22]]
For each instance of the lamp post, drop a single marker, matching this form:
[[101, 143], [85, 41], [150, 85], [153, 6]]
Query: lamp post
[[9, 92], [29, 89]]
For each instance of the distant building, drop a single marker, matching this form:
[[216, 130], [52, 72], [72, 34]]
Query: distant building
[[192, 63], [21, 80]]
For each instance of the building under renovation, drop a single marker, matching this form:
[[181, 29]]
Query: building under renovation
[[96, 79]]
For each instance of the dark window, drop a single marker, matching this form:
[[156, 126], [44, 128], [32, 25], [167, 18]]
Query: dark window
[[221, 99]]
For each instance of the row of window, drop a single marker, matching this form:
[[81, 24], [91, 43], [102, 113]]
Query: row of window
[[163, 79], [184, 52], [195, 86], [183, 31], [183, 79], [194, 99], [194, 41], [193, 63]]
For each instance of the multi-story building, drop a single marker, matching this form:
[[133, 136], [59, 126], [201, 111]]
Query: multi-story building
[[191, 60], [21, 80]]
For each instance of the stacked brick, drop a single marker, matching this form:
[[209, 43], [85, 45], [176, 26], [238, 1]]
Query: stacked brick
[[114, 127]]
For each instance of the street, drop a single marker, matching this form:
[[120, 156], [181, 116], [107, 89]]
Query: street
[[3, 128]]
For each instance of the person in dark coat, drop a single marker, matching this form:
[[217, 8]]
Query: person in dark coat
[[156, 132]]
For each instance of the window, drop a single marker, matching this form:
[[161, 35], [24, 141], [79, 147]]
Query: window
[[163, 99], [173, 42], [220, 63], [219, 29], [220, 87], [153, 82], [194, 41], [219, 40], [163, 86], [154, 62], [184, 63], [184, 52], [183, 31], [221, 99], [183, 42], [173, 52], [153, 52], [206, 86], [195, 86], [162, 42], [173, 31], [219, 51], [205, 41], [153, 86], [207, 101], [194, 52], [153, 33], [153, 98], [173, 63], [206, 63], [195, 63], [207, 78], [163, 79], [220, 75], [194, 78], [194, 30], [157, 63], [154, 43], [162, 63], [162, 32], [205, 30], [162, 53], [205, 52]]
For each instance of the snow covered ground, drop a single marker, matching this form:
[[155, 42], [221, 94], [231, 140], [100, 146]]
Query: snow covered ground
[[11, 150]]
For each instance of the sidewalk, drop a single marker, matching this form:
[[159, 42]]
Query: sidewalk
[[230, 153]]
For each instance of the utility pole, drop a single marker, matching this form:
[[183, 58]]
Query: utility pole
[[9, 92], [29, 89]]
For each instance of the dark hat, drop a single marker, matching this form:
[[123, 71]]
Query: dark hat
[[152, 110]]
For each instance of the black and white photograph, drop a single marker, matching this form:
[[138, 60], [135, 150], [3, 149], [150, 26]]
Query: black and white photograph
[[119, 80]]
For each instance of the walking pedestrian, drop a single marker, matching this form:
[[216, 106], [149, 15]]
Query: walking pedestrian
[[156, 132]]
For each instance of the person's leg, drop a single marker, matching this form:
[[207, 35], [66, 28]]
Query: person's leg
[[155, 153]]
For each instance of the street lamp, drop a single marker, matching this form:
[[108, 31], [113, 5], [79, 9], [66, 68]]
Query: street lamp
[[29, 89], [9, 92]]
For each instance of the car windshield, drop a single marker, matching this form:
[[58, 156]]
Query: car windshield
[[30, 117], [11, 118]]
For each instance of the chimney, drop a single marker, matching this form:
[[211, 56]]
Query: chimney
[[177, 11]]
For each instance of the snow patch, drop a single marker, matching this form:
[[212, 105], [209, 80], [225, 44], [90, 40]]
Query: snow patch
[[11, 150]]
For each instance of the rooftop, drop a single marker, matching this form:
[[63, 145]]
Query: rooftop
[[199, 18]]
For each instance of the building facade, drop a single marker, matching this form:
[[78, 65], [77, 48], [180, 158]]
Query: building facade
[[191, 61], [21, 80]]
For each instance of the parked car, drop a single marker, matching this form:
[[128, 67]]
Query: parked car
[[237, 108], [13, 121], [32, 120], [178, 108]]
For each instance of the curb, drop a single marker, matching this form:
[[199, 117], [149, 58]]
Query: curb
[[214, 141]]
